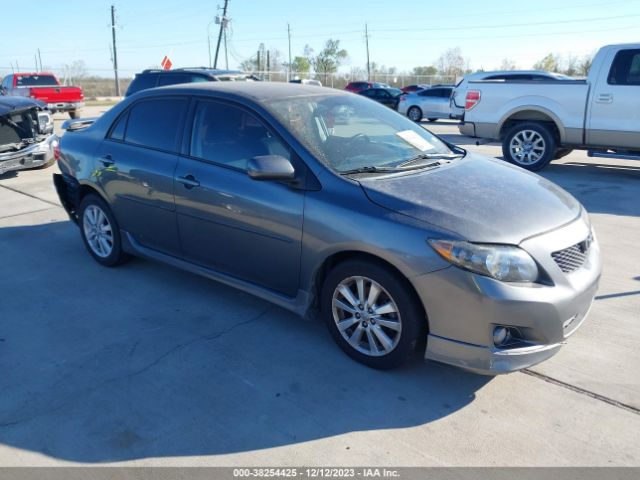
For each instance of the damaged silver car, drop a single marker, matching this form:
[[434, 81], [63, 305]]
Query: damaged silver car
[[26, 134]]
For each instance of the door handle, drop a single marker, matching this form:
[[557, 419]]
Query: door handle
[[604, 98], [188, 181], [107, 160]]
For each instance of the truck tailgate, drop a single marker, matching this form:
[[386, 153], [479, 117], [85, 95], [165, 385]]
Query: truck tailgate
[[57, 94]]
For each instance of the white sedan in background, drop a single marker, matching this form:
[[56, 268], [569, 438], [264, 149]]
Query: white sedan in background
[[431, 103]]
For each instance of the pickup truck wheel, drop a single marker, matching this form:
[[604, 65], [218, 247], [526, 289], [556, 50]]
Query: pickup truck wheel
[[100, 232], [73, 114], [562, 152], [372, 314], [529, 145], [415, 114]]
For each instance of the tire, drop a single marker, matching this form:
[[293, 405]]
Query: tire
[[90, 219], [562, 152], [404, 330], [529, 145], [74, 114], [432, 119], [414, 113]]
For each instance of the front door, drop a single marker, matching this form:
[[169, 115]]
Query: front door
[[614, 115], [250, 229]]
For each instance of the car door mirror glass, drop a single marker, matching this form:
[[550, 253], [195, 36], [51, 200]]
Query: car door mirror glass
[[270, 167]]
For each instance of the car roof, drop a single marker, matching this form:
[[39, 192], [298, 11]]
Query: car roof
[[205, 70], [255, 91]]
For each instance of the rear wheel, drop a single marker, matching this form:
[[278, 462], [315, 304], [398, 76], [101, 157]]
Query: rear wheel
[[529, 145], [74, 114], [432, 120], [415, 114], [372, 314], [100, 232]]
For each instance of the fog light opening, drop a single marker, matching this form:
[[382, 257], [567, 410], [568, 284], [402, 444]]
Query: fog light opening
[[501, 336]]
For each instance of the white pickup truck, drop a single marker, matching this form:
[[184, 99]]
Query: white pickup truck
[[541, 121]]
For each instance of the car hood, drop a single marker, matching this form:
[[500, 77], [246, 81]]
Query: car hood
[[478, 198]]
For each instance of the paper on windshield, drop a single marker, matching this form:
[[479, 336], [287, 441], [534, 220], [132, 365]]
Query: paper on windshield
[[415, 140]]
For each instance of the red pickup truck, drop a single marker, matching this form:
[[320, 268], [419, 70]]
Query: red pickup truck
[[45, 87]]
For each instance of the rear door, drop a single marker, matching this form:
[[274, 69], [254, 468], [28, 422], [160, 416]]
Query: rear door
[[135, 166], [249, 229], [614, 110]]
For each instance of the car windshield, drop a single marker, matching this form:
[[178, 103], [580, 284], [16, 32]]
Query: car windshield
[[350, 132]]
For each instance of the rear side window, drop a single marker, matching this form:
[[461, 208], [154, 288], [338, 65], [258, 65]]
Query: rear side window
[[625, 69], [142, 82], [156, 123], [117, 131]]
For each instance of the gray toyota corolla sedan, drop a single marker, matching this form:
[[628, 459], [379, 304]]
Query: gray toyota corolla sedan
[[322, 200]]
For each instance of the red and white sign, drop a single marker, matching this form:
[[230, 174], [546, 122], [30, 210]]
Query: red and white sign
[[166, 63]]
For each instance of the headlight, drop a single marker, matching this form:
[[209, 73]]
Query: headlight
[[502, 262]]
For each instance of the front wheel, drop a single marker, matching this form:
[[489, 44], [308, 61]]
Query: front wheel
[[529, 145], [100, 232], [415, 114], [372, 314]]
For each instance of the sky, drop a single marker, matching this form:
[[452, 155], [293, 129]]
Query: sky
[[403, 33]]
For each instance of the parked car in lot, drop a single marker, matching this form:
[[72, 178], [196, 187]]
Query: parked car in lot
[[158, 78], [45, 87], [356, 87], [431, 103], [537, 122], [460, 90], [26, 134], [414, 88], [386, 96], [399, 238], [306, 81]]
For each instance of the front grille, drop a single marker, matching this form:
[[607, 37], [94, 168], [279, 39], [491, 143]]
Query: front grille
[[572, 258]]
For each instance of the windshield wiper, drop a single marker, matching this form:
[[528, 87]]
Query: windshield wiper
[[430, 156], [370, 169]]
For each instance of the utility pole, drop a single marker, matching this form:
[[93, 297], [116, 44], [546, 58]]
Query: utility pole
[[289, 35], [40, 58], [115, 52], [268, 68], [366, 36], [226, 56], [223, 25], [36, 60]]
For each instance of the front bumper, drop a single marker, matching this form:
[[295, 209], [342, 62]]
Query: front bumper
[[32, 156], [65, 106], [464, 308]]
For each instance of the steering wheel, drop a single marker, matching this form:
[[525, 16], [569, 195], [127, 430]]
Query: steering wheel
[[358, 136]]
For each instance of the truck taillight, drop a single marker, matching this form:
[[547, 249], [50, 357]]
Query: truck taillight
[[472, 99]]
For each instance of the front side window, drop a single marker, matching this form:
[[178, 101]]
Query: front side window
[[231, 136], [348, 132], [156, 123], [625, 69]]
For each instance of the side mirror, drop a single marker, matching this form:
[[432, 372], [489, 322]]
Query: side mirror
[[270, 167]]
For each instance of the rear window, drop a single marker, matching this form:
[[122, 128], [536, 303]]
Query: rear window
[[625, 69], [35, 81], [155, 123]]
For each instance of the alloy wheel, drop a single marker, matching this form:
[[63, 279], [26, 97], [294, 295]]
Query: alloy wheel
[[527, 147], [366, 315], [98, 231]]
